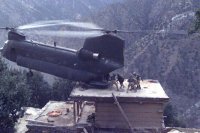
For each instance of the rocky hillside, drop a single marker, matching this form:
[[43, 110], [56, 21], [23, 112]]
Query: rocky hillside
[[169, 57], [18, 12]]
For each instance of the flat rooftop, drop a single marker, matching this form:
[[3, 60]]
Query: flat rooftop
[[150, 90], [65, 119]]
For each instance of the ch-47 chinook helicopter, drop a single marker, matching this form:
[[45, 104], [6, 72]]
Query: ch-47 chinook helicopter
[[102, 52]]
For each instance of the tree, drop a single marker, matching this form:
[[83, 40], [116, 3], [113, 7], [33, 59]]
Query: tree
[[61, 89], [197, 23], [171, 119], [18, 89], [13, 95], [41, 91], [196, 26], [3, 66]]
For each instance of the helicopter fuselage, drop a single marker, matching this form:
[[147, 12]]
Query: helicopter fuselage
[[77, 65]]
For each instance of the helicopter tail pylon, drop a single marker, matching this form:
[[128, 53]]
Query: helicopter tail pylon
[[108, 46]]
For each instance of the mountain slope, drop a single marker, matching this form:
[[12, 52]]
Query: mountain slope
[[17, 12], [171, 58]]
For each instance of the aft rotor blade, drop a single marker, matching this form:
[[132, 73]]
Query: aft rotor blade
[[67, 34], [175, 32], [41, 24], [178, 32]]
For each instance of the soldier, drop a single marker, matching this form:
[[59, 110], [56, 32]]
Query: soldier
[[138, 79], [54, 43], [121, 81], [131, 83], [114, 79]]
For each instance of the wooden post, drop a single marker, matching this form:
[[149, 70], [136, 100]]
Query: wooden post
[[122, 112], [80, 108], [78, 111], [74, 107]]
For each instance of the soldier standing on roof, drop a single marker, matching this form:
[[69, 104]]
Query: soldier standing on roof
[[121, 81], [114, 80], [138, 79], [131, 83]]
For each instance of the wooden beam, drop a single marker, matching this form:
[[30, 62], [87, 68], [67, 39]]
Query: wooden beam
[[85, 131], [36, 122], [74, 107], [122, 112], [120, 99], [78, 111]]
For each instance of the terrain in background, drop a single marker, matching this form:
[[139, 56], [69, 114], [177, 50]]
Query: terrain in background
[[172, 59]]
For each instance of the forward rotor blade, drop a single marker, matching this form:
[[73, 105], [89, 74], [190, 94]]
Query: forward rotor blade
[[66, 34], [41, 24]]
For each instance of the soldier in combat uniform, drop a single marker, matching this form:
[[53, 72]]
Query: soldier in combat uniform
[[138, 79], [114, 81], [121, 81], [131, 83]]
